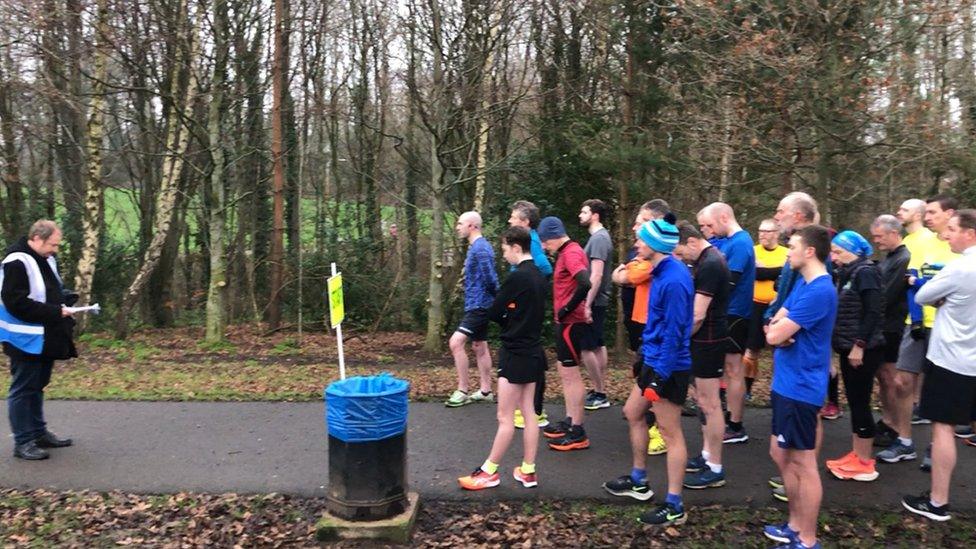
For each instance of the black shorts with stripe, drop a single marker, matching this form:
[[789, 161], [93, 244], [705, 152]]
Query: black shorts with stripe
[[569, 339]]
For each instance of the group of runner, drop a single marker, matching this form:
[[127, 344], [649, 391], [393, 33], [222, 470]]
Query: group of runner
[[701, 301]]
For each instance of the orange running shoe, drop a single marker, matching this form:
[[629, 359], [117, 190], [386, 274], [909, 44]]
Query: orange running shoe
[[479, 480], [527, 479], [832, 463], [574, 440], [856, 470]]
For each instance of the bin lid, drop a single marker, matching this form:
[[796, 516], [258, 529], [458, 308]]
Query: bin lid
[[367, 386]]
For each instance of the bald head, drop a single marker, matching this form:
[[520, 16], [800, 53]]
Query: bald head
[[468, 225], [911, 212], [718, 218]]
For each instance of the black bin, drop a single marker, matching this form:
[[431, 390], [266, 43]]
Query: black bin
[[367, 429]]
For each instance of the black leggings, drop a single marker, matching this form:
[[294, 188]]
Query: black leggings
[[858, 385], [833, 388], [540, 392]]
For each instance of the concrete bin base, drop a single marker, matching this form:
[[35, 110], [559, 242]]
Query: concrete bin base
[[396, 529]]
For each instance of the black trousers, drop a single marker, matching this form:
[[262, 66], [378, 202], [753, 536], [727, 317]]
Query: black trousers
[[25, 400], [858, 385]]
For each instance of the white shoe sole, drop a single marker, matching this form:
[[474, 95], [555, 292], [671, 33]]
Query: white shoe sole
[[939, 518], [861, 477], [777, 538], [638, 496], [737, 440], [524, 483]]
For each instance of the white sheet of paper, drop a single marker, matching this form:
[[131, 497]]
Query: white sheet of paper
[[85, 309]]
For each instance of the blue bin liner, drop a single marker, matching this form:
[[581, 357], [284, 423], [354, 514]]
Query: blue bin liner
[[366, 408]]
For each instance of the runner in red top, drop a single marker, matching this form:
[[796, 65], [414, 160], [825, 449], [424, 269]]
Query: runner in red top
[[570, 284]]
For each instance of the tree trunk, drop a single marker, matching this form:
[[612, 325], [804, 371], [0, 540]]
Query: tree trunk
[[435, 293], [177, 140], [279, 81], [93, 215], [217, 292], [10, 217]]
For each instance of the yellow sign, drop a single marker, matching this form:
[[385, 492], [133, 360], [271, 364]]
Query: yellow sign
[[337, 311]]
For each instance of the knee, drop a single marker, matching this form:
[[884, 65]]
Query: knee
[[456, 343]]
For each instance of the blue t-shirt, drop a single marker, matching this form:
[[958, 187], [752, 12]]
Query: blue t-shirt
[[740, 254], [670, 306], [803, 368], [538, 256], [480, 278]]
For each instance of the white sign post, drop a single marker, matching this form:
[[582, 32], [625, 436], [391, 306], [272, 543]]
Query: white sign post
[[337, 313]]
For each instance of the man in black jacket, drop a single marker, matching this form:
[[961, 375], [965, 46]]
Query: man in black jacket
[[886, 234], [36, 330]]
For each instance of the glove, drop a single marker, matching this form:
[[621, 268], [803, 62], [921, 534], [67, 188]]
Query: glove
[[650, 383], [70, 297], [918, 331], [929, 271]]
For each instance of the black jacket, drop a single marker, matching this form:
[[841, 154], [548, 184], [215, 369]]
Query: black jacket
[[58, 330], [893, 268], [860, 306], [519, 307]]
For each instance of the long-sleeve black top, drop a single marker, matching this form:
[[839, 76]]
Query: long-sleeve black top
[[893, 268], [519, 307]]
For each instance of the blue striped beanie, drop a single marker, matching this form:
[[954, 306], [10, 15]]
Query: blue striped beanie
[[660, 235]]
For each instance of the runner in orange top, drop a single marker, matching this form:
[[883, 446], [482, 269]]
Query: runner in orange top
[[770, 258]]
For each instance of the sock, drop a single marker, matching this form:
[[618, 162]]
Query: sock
[[527, 468], [715, 467], [489, 467], [933, 503], [706, 455], [639, 476], [735, 425], [905, 441], [675, 500]]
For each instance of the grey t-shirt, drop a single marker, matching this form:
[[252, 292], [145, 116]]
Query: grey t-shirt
[[599, 246]]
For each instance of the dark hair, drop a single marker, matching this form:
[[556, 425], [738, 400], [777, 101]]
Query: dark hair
[[967, 218], [816, 237], [657, 206], [598, 207], [686, 230], [527, 211], [518, 235], [945, 201]]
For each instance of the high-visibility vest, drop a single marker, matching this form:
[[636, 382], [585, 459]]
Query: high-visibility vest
[[25, 336]]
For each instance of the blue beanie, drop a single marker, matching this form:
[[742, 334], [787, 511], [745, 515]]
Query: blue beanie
[[660, 235], [551, 228], [853, 242]]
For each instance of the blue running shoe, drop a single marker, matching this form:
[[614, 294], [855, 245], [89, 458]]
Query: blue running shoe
[[780, 532], [696, 464], [704, 479]]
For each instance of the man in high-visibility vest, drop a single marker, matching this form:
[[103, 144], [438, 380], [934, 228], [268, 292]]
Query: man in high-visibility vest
[[36, 330]]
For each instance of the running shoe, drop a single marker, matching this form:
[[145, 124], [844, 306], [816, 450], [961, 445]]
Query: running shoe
[[927, 460], [696, 464], [704, 479], [780, 532], [655, 442], [897, 452], [519, 421], [922, 505], [665, 515], [831, 463], [971, 441], [780, 494], [884, 436], [595, 401], [856, 469], [690, 409], [479, 480], [797, 544], [625, 486], [478, 396], [917, 419], [528, 480], [558, 429], [574, 439], [831, 411], [776, 482], [542, 419], [965, 432], [735, 437], [457, 399]]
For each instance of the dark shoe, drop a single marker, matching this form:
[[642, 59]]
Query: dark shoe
[[922, 505], [30, 451], [664, 515], [558, 429], [626, 487], [574, 439], [50, 440]]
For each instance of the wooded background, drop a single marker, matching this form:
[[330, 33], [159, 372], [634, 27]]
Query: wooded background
[[208, 159]]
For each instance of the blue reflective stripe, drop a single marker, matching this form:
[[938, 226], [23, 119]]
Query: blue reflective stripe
[[29, 338]]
